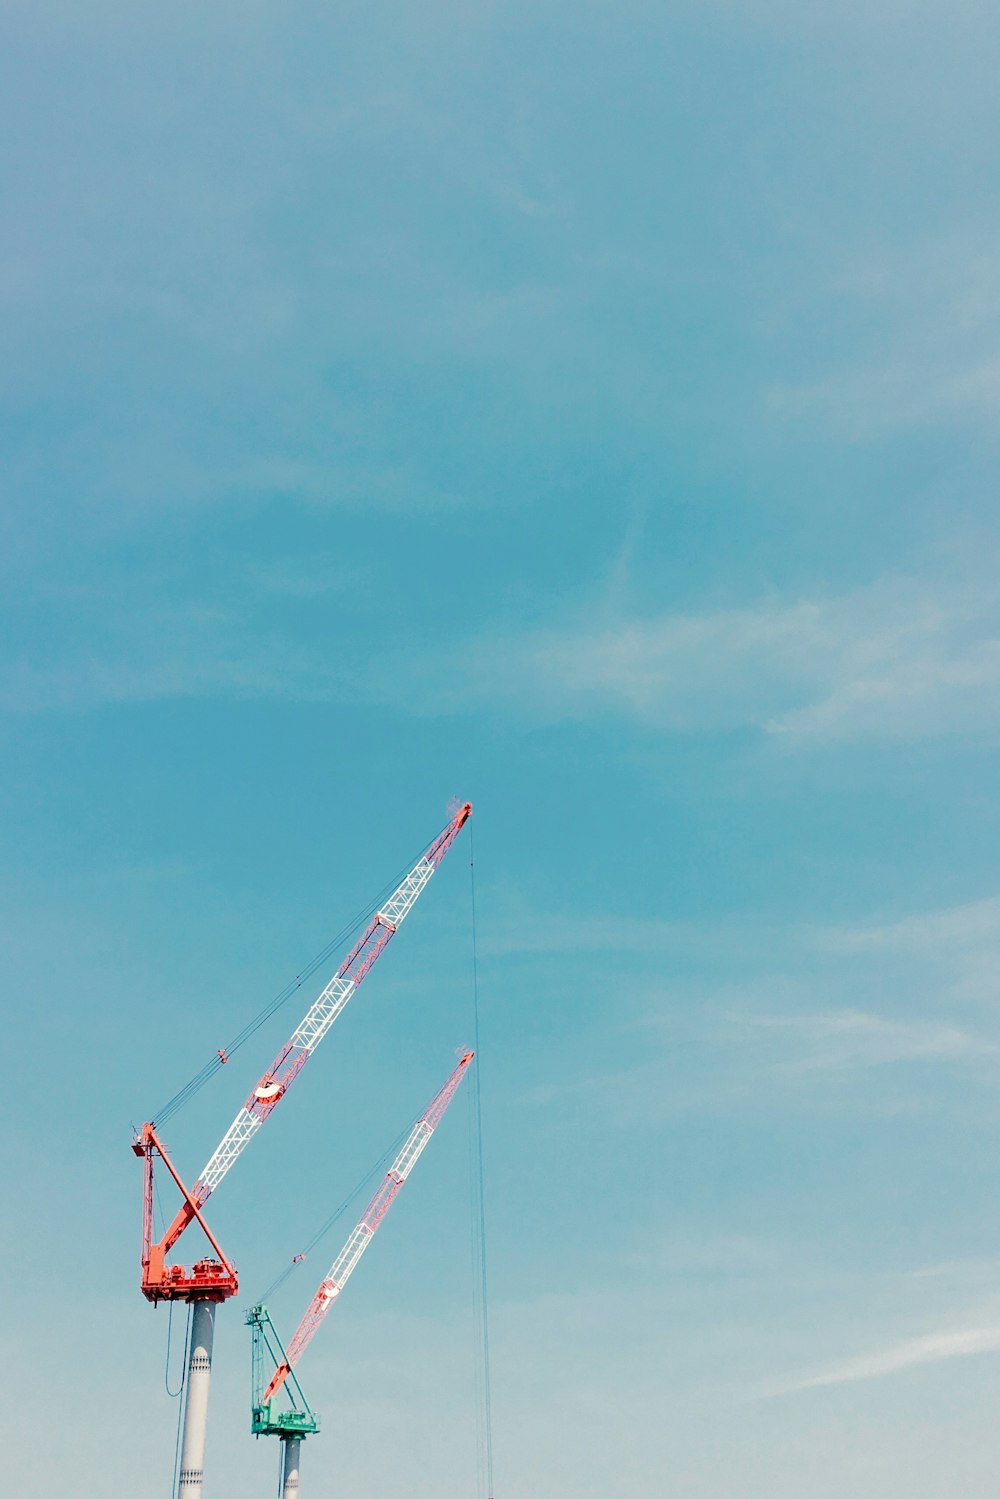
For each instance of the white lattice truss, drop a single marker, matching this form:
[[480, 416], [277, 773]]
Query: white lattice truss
[[361, 1236], [313, 1027]]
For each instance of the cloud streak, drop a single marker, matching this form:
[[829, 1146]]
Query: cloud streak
[[950, 927], [936, 361], [895, 660], [854, 1038], [898, 1358]]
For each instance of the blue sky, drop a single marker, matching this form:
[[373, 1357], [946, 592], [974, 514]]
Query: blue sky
[[590, 411]]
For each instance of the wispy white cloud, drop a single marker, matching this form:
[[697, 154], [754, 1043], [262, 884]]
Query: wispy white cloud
[[854, 1038], [171, 653], [948, 927], [952, 933], [821, 1018], [935, 306], [898, 1358], [863, 403], [704, 1062], [896, 659], [953, 951]]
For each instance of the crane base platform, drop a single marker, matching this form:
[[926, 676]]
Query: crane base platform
[[210, 1278], [265, 1423], [207, 1280]]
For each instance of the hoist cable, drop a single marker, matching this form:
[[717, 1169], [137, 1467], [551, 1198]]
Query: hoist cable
[[477, 1319], [211, 1067], [338, 1212], [166, 1362], [481, 1225], [180, 1405]]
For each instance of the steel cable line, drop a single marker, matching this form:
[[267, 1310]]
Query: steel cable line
[[481, 1223], [180, 1403], [197, 1082], [475, 1302], [337, 1214], [166, 1362]]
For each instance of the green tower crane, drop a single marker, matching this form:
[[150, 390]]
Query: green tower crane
[[295, 1421]]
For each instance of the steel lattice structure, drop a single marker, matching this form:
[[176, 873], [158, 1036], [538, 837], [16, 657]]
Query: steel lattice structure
[[360, 1237], [173, 1282]]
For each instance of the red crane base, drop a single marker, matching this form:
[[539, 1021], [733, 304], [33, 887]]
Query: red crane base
[[209, 1279]]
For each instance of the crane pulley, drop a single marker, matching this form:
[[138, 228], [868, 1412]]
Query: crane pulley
[[216, 1279]]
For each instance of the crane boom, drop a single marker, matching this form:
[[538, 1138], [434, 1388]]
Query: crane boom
[[324, 1011], [293, 1056], [361, 1236]]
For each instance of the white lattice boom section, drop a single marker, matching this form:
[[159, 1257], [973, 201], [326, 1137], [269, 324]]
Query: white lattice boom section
[[361, 1236], [323, 1012]]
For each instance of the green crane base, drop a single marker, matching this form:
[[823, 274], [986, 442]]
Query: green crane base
[[265, 1423], [267, 1351]]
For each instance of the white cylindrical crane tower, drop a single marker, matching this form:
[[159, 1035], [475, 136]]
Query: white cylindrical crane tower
[[291, 1457], [198, 1379]]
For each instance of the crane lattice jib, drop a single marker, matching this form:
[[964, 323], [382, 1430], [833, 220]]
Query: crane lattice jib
[[361, 1236], [318, 1019], [321, 1015]]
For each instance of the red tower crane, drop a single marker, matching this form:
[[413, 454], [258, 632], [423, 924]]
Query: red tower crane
[[213, 1279]]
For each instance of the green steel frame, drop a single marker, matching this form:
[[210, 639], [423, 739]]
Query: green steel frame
[[267, 1354]]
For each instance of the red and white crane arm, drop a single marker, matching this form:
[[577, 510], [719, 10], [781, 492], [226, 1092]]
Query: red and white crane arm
[[343, 1266], [318, 1019]]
